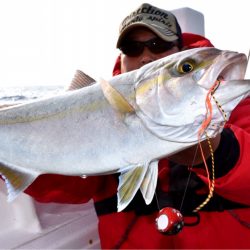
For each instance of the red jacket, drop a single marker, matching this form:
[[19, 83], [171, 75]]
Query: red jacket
[[136, 229]]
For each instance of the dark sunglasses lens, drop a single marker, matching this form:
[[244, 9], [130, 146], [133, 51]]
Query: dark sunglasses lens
[[132, 48], [158, 46]]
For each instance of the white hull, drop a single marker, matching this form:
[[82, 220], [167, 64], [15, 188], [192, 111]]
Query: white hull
[[28, 224]]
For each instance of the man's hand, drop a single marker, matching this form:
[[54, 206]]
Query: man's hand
[[188, 157]]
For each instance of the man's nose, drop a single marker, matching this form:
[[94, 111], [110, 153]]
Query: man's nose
[[147, 56]]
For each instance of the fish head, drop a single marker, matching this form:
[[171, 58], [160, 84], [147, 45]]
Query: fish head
[[171, 92]]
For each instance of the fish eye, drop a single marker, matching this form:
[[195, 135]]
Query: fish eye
[[186, 66]]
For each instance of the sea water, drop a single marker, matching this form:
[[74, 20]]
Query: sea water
[[11, 95]]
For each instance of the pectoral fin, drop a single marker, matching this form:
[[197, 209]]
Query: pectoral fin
[[141, 177], [16, 182], [149, 182], [129, 183], [115, 98]]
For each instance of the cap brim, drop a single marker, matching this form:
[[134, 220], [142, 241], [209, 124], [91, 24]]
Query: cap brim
[[168, 35]]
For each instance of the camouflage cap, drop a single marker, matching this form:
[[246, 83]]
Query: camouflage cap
[[163, 23]]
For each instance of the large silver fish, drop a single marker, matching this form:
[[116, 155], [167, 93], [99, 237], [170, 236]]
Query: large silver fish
[[125, 125]]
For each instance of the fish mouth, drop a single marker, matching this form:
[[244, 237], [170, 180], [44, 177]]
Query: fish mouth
[[228, 66], [234, 69], [231, 84]]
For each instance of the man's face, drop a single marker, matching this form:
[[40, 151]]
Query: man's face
[[141, 34]]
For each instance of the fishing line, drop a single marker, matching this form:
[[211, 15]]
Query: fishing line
[[210, 182], [186, 187], [189, 176], [185, 191], [170, 221], [157, 202], [203, 130]]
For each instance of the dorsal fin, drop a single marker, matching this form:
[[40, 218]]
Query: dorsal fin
[[80, 80], [115, 98], [247, 74]]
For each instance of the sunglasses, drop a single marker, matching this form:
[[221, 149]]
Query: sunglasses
[[135, 48]]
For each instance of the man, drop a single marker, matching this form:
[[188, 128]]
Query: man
[[148, 34]]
